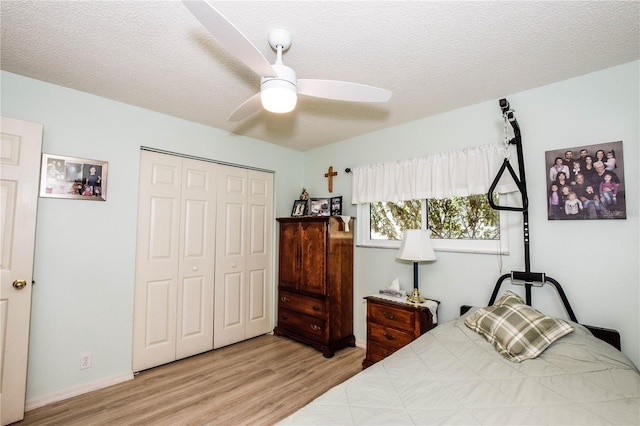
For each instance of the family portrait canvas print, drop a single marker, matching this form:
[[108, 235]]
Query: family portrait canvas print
[[586, 182]]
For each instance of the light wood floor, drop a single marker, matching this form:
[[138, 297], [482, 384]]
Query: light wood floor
[[256, 382]]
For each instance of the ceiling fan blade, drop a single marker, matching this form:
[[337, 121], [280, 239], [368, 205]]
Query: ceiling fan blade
[[230, 37], [342, 90], [247, 108]]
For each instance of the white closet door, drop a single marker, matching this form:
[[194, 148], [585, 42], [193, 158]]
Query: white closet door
[[197, 258], [259, 258], [157, 251], [243, 255], [175, 255], [231, 257]]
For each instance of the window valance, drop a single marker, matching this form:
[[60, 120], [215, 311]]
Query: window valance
[[451, 174]]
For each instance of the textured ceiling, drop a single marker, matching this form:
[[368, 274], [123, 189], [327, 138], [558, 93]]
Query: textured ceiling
[[434, 56]]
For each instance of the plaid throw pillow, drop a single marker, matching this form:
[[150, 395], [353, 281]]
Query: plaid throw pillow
[[516, 330]]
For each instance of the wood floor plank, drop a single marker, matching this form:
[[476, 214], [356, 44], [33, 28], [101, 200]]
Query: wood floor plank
[[256, 382]]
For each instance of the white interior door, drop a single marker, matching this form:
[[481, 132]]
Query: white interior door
[[230, 291], [259, 253], [175, 259], [156, 282], [243, 256], [20, 154], [197, 258]]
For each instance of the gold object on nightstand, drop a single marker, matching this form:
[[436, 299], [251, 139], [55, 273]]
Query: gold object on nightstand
[[415, 297]]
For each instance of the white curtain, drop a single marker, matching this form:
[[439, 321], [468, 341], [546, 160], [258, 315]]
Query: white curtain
[[451, 174]]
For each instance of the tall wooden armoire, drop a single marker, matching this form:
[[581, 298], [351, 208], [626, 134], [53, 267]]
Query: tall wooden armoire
[[315, 282]]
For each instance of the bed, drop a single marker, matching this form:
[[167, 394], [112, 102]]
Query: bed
[[503, 364], [455, 375]]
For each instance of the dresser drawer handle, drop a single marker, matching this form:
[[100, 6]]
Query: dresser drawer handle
[[389, 336], [285, 299], [389, 316], [316, 308], [314, 327]]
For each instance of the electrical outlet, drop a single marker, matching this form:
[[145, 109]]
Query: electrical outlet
[[85, 361]]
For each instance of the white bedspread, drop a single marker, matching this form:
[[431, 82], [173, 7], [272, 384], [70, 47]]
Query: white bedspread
[[451, 375]]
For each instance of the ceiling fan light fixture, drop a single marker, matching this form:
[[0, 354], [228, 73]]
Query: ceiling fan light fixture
[[278, 95]]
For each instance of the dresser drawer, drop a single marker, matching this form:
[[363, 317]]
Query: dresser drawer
[[392, 316], [311, 327], [302, 304], [388, 336]]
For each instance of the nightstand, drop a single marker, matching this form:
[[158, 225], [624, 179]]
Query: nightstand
[[393, 323]]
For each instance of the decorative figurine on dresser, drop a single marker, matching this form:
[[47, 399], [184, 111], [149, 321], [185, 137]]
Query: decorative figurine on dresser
[[392, 323], [315, 281]]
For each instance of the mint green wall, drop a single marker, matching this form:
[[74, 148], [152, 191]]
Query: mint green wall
[[595, 261], [85, 251]]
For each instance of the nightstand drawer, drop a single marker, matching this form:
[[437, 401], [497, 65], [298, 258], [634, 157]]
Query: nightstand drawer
[[388, 336], [377, 351], [393, 317], [299, 303]]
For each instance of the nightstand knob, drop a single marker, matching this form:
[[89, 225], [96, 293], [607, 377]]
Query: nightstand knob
[[314, 327], [316, 308], [389, 336], [389, 316], [284, 299]]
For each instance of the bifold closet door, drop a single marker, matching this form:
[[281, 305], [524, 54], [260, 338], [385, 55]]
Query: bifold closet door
[[173, 308], [243, 255]]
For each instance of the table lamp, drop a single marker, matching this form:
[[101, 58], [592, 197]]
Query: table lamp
[[416, 247]]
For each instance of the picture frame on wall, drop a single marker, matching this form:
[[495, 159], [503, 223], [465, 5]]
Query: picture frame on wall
[[336, 206], [299, 208], [320, 207], [73, 178], [586, 182]]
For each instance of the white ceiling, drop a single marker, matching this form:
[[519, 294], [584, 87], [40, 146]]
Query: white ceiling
[[434, 56]]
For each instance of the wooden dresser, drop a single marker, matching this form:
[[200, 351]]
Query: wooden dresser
[[315, 282], [392, 325]]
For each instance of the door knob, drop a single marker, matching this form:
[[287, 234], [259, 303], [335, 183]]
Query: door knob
[[19, 284]]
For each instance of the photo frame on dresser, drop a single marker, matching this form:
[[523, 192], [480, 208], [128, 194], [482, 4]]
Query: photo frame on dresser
[[336, 206], [299, 208], [320, 207]]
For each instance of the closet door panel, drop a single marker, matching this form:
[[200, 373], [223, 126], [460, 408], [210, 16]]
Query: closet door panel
[[259, 256], [230, 292], [197, 257], [157, 252], [159, 315], [257, 297]]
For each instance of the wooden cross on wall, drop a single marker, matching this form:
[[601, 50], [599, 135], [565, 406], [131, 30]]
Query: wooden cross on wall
[[329, 175]]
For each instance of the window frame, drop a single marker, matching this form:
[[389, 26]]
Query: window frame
[[500, 246]]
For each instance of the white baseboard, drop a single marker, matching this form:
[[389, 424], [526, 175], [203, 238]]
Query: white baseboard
[[361, 343], [34, 403]]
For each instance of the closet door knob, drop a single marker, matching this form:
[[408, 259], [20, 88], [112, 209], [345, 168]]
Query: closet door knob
[[195, 268], [233, 265]]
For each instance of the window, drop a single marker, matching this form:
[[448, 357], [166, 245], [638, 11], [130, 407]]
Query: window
[[464, 224]]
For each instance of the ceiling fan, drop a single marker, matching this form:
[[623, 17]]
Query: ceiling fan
[[279, 85]]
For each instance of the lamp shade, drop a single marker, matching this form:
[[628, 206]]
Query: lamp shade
[[278, 95], [416, 246]]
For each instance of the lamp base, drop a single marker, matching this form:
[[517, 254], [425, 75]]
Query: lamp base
[[415, 297]]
